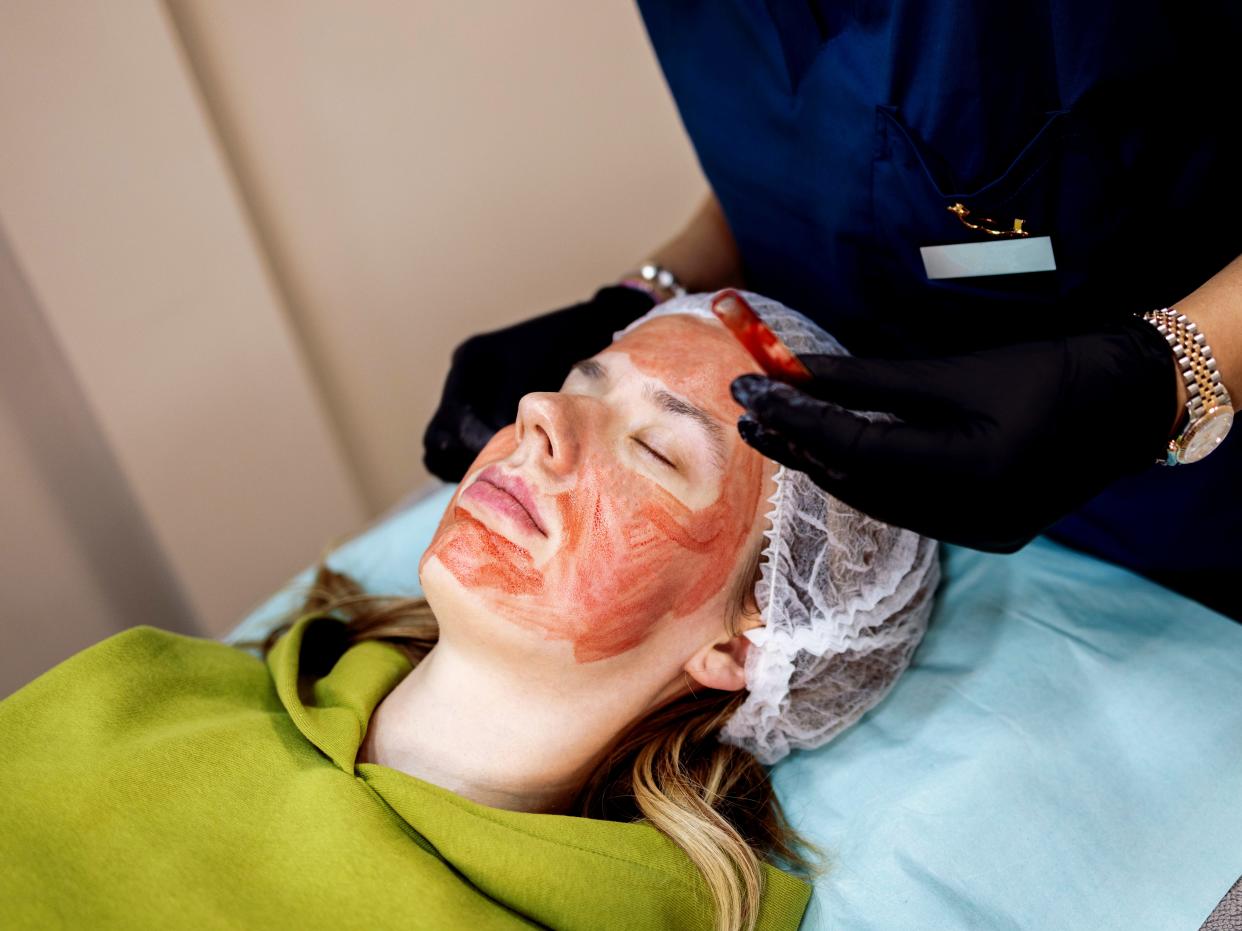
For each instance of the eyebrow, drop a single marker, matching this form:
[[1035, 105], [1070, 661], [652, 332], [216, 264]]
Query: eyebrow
[[590, 368], [670, 403]]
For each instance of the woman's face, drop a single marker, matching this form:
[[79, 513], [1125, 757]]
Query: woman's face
[[616, 512]]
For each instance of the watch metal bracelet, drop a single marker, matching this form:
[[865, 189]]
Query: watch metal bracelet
[[1209, 405]]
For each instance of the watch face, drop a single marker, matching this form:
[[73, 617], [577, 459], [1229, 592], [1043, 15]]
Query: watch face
[[1206, 433]]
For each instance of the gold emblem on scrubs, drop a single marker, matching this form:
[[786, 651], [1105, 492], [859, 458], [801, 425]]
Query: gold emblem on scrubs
[[987, 224]]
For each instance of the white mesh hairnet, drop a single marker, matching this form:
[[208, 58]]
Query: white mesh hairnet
[[844, 598]]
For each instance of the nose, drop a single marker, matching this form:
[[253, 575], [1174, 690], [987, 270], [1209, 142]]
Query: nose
[[548, 428]]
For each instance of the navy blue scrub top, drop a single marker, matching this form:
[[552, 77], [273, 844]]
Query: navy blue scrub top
[[835, 135]]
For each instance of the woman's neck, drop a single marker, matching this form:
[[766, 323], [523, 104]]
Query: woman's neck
[[501, 736]]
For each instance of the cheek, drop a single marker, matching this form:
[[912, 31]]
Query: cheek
[[627, 564]]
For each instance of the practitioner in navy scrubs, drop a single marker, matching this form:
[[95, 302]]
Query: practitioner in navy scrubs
[[1025, 222]]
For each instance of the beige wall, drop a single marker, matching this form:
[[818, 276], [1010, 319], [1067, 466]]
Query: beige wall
[[77, 559], [420, 171], [251, 233], [134, 248]]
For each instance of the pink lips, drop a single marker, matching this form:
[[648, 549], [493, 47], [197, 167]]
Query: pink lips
[[509, 494]]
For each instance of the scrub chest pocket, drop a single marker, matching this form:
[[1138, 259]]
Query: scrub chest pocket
[[1061, 183]]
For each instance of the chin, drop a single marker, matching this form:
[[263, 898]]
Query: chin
[[470, 616], [439, 587]]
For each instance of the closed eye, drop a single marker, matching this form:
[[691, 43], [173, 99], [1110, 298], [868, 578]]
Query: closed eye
[[655, 454]]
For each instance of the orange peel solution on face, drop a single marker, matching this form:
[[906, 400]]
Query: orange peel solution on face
[[629, 553]]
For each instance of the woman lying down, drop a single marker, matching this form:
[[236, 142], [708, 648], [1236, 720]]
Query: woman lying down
[[628, 613]]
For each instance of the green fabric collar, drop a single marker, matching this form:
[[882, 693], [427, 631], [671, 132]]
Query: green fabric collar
[[345, 685], [551, 867]]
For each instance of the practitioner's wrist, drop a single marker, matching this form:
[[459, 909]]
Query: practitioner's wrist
[[655, 279], [1200, 392]]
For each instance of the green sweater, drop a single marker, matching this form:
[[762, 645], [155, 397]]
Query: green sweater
[[162, 781]]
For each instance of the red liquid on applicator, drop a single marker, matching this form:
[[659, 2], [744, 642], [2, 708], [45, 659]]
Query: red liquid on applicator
[[775, 358]]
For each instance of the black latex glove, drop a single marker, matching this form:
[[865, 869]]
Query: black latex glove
[[991, 447], [491, 371]]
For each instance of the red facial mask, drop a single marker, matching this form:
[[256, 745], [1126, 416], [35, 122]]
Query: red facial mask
[[630, 551]]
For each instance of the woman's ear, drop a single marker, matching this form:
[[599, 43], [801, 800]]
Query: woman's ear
[[720, 664]]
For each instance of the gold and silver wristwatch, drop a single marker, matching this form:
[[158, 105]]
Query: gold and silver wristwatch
[[1210, 408]]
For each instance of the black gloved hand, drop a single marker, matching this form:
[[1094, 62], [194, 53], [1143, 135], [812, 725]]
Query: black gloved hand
[[991, 447], [491, 371]]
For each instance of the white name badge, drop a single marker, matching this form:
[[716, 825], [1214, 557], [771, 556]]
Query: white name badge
[[1001, 257]]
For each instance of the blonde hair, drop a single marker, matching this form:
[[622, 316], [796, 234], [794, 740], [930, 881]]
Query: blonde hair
[[713, 800]]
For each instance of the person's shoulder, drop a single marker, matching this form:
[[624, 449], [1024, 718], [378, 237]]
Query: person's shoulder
[[152, 654], [142, 667], [151, 639]]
